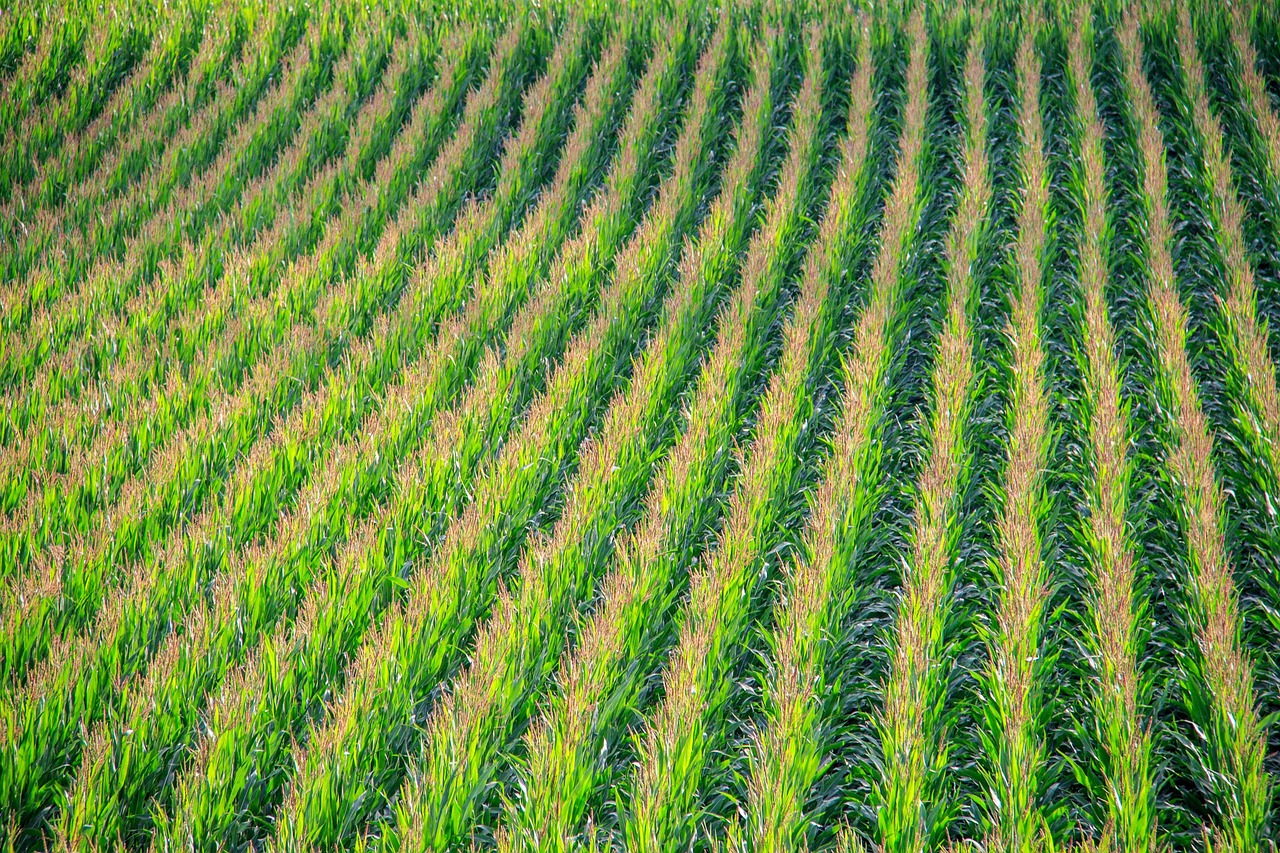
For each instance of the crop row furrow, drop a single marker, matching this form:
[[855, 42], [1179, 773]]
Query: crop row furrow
[[266, 702], [1216, 674], [220, 349], [127, 632], [1246, 334], [356, 756], [788, 755], [914, 804]]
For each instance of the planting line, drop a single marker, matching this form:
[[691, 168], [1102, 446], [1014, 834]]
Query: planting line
[[196, 465], [110, 284], [1217, 675], [42, 752], [218, 58], [123, 416], [126, 240], [264, 320], [913, 802], [789, 751], [570, 754], [265, 704], [112, 50], [58, 54], [133, 100], [472, 728], [1246, 336], [122, 775], [49, 498], [1252, 88], [1012, 707], [1127, 817], [357, 755]]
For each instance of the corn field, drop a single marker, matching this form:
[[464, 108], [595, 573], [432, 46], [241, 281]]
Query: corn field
[[696, 426]]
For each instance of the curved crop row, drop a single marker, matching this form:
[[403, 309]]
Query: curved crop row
[[1013, 708], [259, 481], [219, 58], [914, 803], [1119, 729], [357, 756], [789, 752], [267, 703], [52, 503], [1216, 675], [474, 725]]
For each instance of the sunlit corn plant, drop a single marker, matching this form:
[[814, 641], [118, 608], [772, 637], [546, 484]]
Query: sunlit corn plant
[[915, 799], [330, 625], [1116, 768], [359, 754], [274, 465], [268, 579], [489, 702], [789, 752], [1221, 736]]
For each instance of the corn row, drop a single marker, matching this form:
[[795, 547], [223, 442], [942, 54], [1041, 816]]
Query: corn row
[[683, 732], [281, 381], [265, 576], [487, 705], [1257, 100], [1217, 675], [36, 81], [253, 147], [1013, 710], [133, 100], [218, 59], [155, 210], [1113, 640], [263, 326], [52, 499], [913, 804], [255, 724], [273, 469], [1247, 334], [788, 752], [357, 755], [112, 49]]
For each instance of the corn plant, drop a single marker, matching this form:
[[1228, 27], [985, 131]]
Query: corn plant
[[350, 762], [1120, 772], [252, 729], [914, 799], [488, 702], [787, 756], [1215, 676], [273, 465]]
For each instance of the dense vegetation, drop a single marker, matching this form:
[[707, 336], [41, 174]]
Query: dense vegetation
[[688, 427]]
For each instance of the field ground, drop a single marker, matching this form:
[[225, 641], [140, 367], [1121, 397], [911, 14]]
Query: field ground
[[749, 428]]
